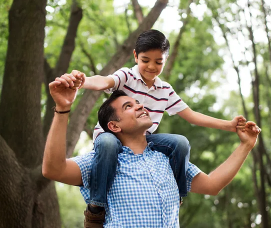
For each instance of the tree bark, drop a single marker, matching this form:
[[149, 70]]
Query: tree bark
[[20, 120], [27, 199], [79, 117]]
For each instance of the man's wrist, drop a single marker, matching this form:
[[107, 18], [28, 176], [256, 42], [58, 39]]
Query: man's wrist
[[62, 110], [246, 145]]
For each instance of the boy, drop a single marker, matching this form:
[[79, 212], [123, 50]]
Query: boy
[[143, 84]]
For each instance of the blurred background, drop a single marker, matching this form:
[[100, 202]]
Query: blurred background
[[219, 64]]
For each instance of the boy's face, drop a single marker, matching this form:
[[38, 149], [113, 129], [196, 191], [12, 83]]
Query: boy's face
[[150, 64]]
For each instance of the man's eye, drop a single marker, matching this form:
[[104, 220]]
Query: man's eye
[[128, 106]]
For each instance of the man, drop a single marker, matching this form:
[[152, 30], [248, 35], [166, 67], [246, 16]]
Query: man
[[144, 192]]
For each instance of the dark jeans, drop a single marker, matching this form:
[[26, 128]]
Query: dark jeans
[[107, 147]]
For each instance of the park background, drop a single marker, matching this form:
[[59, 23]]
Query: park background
[[219, 64]]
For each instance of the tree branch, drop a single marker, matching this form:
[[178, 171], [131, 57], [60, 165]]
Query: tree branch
[[69, 41], [127, 20], [91, 60], [122, 55], [266, 29], [63, 61], [175, 49], [137, 11]]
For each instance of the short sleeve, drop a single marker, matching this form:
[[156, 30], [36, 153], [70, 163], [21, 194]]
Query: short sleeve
[[175, 104], [120, 77], [84, 162], [192, 171]]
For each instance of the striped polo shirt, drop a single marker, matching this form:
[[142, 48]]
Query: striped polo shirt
[[159, 98]]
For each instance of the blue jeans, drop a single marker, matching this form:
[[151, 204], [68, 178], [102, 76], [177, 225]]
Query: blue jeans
[[104, 165]]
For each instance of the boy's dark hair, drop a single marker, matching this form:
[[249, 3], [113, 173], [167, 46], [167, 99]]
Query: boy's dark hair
[[150, 40], [106, 112]]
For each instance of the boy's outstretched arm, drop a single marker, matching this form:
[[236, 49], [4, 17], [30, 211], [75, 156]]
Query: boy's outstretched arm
[[96, 82], [213, 183], [208, 121]]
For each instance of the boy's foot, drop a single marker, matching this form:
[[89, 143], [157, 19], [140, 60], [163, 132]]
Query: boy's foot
[[94, 220]]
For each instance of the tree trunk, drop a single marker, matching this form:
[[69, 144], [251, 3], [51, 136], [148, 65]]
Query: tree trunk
[[257, 115], [27, 199], [80, 115]]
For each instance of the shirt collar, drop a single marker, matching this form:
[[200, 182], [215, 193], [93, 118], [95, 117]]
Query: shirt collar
[[157, 81], [147, 150]]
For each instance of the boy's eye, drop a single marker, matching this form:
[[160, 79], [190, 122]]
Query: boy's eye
[[144, 61], [159, 63]]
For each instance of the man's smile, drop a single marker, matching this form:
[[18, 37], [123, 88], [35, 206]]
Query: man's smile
[[143, 114]]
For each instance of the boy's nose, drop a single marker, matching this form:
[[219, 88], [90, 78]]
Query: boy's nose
[[151, 66]]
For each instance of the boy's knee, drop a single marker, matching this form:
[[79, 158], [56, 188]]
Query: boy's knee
[[183, 140], [183, 144], [107, 142]]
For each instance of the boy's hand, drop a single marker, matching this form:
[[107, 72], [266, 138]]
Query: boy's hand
[[80, 77], [238, 122], [70, 81]]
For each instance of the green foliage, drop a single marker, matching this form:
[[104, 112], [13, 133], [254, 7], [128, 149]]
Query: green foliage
[[72, 206], [4, 8], [198, 55]]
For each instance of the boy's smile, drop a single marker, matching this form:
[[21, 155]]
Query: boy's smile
[[150, 64]]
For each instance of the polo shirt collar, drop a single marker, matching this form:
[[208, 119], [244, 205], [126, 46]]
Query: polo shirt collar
[[157, 81]]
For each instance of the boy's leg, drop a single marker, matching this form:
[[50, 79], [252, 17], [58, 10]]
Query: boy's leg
[[103, 170], [177, 148]]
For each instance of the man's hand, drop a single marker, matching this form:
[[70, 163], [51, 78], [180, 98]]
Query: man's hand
[[250, 134], [62, 94]]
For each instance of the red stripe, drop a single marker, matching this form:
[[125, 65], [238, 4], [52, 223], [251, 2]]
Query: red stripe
[[174, 104]]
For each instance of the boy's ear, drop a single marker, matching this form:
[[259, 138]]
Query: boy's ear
[[135, 55], [113, 126]]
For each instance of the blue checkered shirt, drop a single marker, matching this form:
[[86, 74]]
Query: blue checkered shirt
[[144, 192]]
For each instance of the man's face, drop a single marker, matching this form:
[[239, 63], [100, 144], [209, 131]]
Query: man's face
[[133, 118], [150, 64]]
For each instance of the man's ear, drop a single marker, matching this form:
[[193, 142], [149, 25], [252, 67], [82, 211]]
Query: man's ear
[[113, 126], [135, 56]]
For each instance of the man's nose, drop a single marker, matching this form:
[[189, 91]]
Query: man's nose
[[139, 106]]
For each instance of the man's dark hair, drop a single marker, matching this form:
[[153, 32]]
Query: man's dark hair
[[150, 40], [106, 112]]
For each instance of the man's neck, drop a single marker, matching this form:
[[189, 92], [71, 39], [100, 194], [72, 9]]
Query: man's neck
[[136, 143]]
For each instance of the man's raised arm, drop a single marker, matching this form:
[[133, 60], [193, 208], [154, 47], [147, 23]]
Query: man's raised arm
[[55, 165], [213, 183]]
